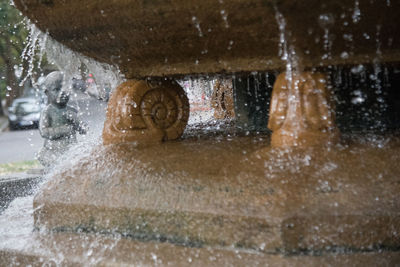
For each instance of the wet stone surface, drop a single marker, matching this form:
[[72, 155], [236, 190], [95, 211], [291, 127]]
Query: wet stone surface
[[22, 246], [232, 191]]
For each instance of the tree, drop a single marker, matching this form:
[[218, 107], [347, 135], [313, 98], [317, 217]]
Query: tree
[[13, 34]]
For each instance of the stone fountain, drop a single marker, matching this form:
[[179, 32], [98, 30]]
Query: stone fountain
[[145, 195]]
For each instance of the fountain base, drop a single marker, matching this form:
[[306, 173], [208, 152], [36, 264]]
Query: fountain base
[[71, 249], [224, 198], [231, 193]]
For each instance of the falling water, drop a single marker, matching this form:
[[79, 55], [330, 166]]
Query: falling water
[[288, 54], [66, 60], [71, 64], [356, 12], [326, 21], [378, 84], [198, 91], [224, 16], [196, 23]]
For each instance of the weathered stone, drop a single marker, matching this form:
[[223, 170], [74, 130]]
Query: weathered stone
[[67, 249], [301, 112], [27, 247], [191, 193], [164, 38]]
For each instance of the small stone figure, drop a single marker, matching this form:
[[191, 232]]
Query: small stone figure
[[58, 122]]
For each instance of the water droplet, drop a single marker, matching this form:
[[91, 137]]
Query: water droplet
[[344, 55], [225, 18], [356, 12], [197, 25], [326, 20], [357, 69]]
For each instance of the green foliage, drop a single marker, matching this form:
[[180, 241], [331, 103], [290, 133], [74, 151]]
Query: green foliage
[[13, 34], [18, 166]]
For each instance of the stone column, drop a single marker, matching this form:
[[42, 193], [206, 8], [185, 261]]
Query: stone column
[[222, 99], [301, 113], [146, 112]]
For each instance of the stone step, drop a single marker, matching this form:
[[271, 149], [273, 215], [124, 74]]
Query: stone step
[[21, 246], [232, 193]]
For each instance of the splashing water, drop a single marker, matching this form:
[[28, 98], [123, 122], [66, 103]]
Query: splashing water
[[66, 60], [34, 41], [224, 16], [356, 13], [326, 21], [71, 63], [196, 23], [198, 92], [378, 85], [288, 54]]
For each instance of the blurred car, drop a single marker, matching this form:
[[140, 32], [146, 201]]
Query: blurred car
[[24, 112], [100, 92]]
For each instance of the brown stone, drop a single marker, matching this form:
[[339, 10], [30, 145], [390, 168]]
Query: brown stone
[[26, 247], [222, 100], [301, 112], [71, 249], [229, 193], [164, 38], [145, 112]]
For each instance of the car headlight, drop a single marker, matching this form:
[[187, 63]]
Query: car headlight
[[12, 117]]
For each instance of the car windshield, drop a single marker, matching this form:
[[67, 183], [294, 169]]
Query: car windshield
[[26, 108]]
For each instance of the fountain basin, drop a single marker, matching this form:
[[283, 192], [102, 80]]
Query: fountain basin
[[24, 247], [172, 38], [231, 194]]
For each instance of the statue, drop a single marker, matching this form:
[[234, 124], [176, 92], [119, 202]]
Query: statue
[[301, 113], [58, 122]]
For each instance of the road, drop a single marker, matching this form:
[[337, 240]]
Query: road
[[19, 145], [22, 145]]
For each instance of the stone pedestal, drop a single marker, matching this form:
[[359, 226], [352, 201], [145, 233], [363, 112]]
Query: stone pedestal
[[301, 112], [34, 248], [228, 194]]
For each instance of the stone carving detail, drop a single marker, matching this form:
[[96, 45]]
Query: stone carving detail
[[58, 122], [222, 100], [301, 112], [146, 112]]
